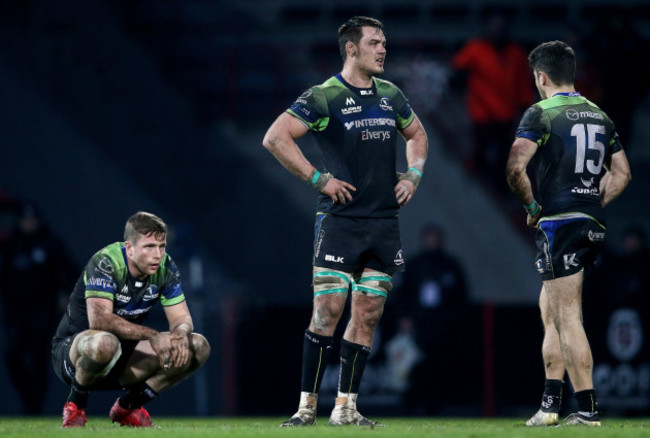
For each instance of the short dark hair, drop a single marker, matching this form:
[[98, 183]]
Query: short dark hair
[[555, 58], [143, 223], [351, 31]]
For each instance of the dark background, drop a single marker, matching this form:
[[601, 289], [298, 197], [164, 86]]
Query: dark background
[[109, 107]]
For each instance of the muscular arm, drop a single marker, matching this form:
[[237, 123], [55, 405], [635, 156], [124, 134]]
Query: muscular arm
[[521, 153], [417, 146], [280, 140], [618, 176], [101, 317]]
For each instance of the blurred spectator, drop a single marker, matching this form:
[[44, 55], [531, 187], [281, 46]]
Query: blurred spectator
[[433, 295], [499, 88], [402, 354], [35, 276]]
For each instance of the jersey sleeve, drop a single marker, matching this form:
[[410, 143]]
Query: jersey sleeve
[[311, 109], [99, 277], [172, 292], [532, 126], [405, 114], [615, 144]]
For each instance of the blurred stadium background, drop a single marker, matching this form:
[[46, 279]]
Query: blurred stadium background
[[114, 106]]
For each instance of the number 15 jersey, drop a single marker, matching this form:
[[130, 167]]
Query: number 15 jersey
[[575, 137]]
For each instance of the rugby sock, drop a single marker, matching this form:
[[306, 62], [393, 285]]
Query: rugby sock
[[586, 400], [316, 351], [78, 394], [353, 363], [137, 396], [552, 398]]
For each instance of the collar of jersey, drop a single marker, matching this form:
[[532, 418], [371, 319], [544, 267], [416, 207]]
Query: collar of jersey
[[572, 94], [357, 90]]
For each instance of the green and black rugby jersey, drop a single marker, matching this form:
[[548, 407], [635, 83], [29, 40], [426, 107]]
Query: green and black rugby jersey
[[107, 276], [575, 138], [356, 130]]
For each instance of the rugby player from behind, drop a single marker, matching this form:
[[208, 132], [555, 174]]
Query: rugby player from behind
[[580, 168]]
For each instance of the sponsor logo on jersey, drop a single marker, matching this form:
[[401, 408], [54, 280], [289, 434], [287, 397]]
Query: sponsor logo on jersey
[[334, 259], [593, 191], [101, 283], [351, 110], [367, 134], [132, 313], [366, 123], [123, 298], [349, 101], [587, 182], [105, 266], [573, 114], [306, 94], [367, 92], [384, 104], [570, 261], [587, 189], [591, 115]]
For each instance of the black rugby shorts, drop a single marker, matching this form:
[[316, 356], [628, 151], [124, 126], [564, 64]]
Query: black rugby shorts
[[566, 245], [352, 244]]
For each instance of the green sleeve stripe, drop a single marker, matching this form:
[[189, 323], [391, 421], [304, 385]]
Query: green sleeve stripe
[[404, 123], [338, 290], [377, 278], [172, 301], [370, 290], [333, 274], [99, 294]]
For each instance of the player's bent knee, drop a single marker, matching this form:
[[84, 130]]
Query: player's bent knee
[[373, 283], [99, 352], [330, 281], [101, 347], [201, 348]]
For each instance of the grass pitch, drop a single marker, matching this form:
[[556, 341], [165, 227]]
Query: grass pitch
[[268, 427]]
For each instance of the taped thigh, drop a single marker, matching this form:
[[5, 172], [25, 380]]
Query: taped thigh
[[330, 281], [373, 283]]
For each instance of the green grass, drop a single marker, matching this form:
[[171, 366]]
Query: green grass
[[100, 427]]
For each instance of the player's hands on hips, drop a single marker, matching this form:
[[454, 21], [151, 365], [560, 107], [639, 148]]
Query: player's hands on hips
[[339, 191], [532, 221], [180, 341], [404, 191]]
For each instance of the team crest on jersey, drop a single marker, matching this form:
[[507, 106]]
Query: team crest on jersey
[[384, 104], [399, 258], [151, 293]]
